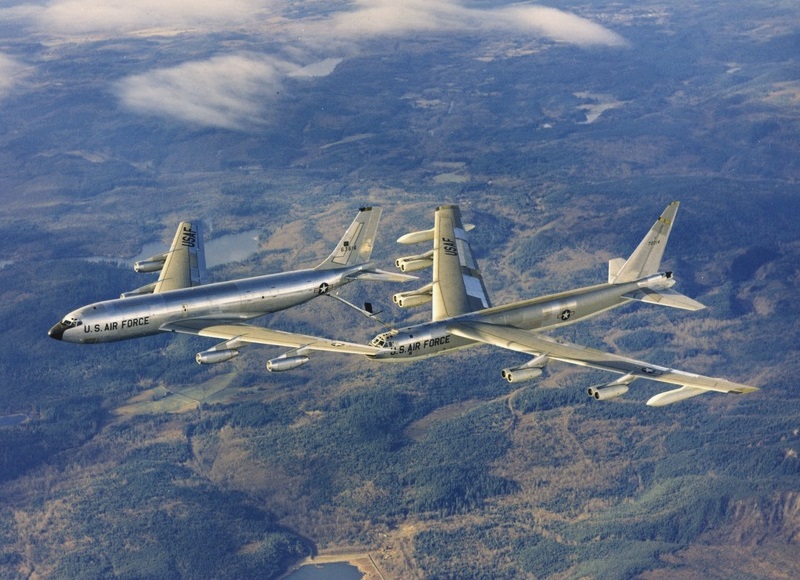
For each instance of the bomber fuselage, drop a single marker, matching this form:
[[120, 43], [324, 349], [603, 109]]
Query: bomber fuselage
[[231, 301], [433, 338]]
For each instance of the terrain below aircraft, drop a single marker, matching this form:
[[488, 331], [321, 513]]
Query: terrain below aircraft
[[462, 315], [181, 301]]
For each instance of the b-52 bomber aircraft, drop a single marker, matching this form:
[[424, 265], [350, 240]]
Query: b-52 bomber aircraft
[[462, 316], [181, 301]]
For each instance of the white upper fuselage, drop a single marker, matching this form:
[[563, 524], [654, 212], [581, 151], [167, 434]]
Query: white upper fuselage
[[433, 338], [231, 301]]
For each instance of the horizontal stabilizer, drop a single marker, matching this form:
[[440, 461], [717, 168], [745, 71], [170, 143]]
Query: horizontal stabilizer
[[664, 297]]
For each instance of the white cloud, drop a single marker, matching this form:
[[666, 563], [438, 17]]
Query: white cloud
[[229, 92], [121, 16], [558, 25], [12, 72], [361, 19], [317, 69], [225, 91], [372, 18]]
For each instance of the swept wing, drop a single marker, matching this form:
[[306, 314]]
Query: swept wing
[[249, 334], [457, 285], [537, 344]]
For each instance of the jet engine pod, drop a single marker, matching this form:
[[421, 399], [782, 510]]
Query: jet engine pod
[[414, 298], [410, 264], [210, 357], [519, 374], [413, 263], [285, 363], [151, 264], [607, 392], [404, 300]]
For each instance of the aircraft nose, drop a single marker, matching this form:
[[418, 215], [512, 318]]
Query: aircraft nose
[[57, 331]]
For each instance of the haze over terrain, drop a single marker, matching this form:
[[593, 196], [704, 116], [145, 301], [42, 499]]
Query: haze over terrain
[[562, 132]]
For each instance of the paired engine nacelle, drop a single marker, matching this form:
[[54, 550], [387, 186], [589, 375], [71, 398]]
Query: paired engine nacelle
[[285, 363], [151, 264], [414, 297], [530, 370], [413, 263], [210, 357], [613, 389], [519, 374], [607, 392]]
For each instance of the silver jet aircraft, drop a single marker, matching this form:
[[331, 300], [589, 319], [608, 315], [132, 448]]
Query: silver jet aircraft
[[462, 316], [181, 301]]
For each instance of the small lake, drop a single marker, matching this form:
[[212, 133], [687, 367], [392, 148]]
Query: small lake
[[221, 250], [333, 571], [232, 248], [16, 419]]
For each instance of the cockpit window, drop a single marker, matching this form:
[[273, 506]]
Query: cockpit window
[[382, 339], [71, 322]]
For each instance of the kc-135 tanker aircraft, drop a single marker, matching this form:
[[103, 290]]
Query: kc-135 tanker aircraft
[[462, 317], [181, 301]]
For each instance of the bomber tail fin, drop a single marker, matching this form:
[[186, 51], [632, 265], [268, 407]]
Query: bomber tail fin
[[646, 258], [646, 261], [356, 245]]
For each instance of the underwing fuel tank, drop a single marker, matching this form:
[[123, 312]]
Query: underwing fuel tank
[[674, 396], [286, 363]]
